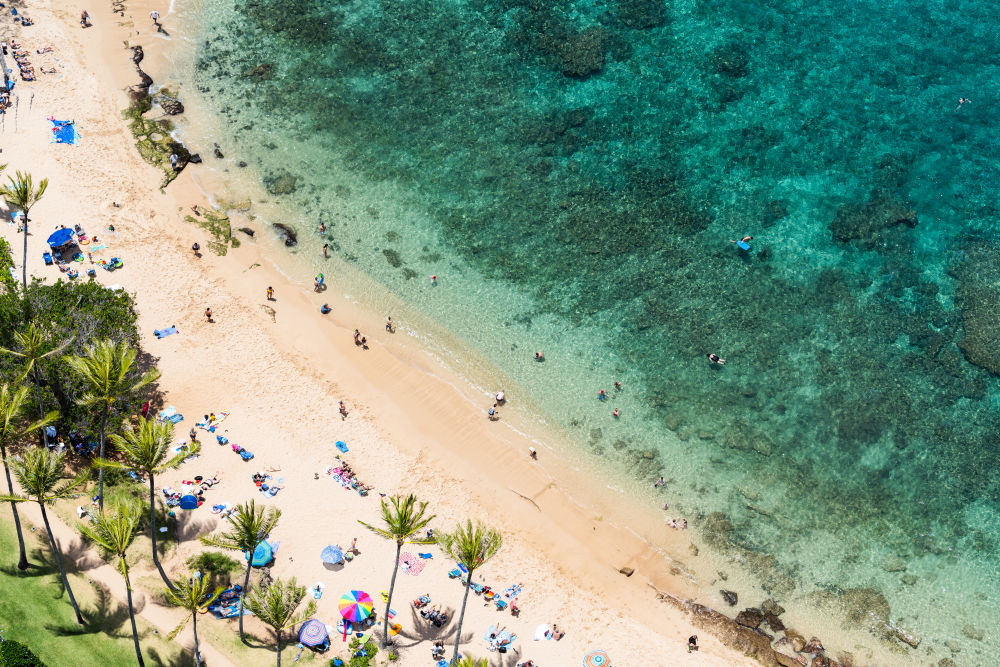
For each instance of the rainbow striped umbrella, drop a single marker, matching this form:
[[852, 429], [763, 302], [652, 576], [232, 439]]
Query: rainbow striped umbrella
[[356, 606], [596, 659]]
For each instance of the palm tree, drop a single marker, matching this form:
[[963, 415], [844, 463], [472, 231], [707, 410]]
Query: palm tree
[[470, 545], [40, 474], [22, 194], [106, 370], [250, 525], [147, 450], [403, 518], [193, 594], [32, 345], [471, 662], [12, 408], [114, 534], [276, 606]]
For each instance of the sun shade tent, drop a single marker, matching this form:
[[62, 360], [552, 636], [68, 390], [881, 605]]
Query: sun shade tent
[[189, 502], [60, 238]]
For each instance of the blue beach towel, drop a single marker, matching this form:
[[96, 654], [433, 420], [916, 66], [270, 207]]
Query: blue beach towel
[[15, 214], [174, 419], [342, 446], [426, 555], [63, 132], [163, 333]]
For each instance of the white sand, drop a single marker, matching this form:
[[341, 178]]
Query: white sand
[[412, 426]]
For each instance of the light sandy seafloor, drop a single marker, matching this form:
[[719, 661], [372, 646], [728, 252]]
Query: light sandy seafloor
[[414, 423]]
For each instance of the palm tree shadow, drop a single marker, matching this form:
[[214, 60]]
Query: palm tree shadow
[[425, 631], [106, 615], [154, 657], [189, 528], [39, 565]]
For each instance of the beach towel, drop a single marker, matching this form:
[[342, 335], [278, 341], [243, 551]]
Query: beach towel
[[14, 215], [167, 412], [426, 555], [174, 419], [410, 564], [63, 132], [542, 632], [342, 446], [98, 247], [163, 333]]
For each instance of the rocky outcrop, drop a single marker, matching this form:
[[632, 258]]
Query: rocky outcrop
[[170, 106], [642, 13], [280, 182], [289, 235], [750, 617], [865, 224], [976, 294]]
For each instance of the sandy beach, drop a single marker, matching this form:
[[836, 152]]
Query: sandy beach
[[279, 369]]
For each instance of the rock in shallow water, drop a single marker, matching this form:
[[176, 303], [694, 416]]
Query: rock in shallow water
[[750, 617], [730, 597]]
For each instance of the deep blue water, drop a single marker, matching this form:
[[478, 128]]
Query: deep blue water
[[580, 168]]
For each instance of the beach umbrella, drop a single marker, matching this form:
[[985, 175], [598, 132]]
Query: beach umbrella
[[60, 237], [596, 659], [189, 502], [356, 606], [312, 633], [261, 555], [332, 555]]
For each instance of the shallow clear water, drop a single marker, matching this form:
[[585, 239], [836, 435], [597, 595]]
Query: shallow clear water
[[573, 172]]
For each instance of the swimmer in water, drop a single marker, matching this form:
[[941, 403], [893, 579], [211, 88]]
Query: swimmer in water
[[743, 243], [618, 386], [961, 101], [615, 413], [602, 395], [322, 228], [434, 280], [539, 356], [716, 359]]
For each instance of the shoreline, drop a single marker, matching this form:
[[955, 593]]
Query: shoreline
[[396, 376]]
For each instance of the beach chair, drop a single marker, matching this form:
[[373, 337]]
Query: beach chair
[[454, 574], [477, 588], [501, 605], [48, 258]]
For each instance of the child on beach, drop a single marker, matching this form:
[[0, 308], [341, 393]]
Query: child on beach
[[270, 293], [208, 314]]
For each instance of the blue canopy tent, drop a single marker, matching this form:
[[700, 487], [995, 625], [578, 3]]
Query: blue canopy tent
[[60, 238], [262, 555], [189, 502]]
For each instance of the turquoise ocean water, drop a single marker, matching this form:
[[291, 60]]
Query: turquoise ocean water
[[573, 172]]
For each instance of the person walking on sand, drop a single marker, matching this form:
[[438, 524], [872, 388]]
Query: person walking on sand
[[195, 248], [357, 337], [270, 293], [692, 643], [388, 325], [155, 15], [325, 246], [492, 414], [84, 19], [343, 410], [208, 314]]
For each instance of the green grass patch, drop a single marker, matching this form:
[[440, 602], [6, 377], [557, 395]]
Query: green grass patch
[[36, 612], [217, 224]]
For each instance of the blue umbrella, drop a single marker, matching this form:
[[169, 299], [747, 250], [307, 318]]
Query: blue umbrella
[[261, 555], [332, 555], [312, 633], [60, 237], [189, 502]]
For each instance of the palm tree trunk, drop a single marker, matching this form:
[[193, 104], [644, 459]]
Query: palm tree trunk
[[100, 472], [131, 617], [388, 603], [243, 594], [38, 397], [152, 534], [24, 256], [22, 560], [278, 633], [461, 617], [59, 562], [197, 653]]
